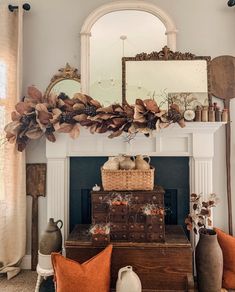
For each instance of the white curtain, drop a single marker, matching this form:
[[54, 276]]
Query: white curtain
[[12, 162]]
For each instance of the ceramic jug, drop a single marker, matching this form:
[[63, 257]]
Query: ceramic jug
[[51, 240], [112, 163], [127, 163], [140, 163], [128, 281]]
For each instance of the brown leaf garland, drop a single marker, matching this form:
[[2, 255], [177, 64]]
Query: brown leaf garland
[[37, 115]]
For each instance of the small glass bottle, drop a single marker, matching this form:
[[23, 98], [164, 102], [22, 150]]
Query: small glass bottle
[[225, 115], [198, 114], [211, 114], [204, 114]]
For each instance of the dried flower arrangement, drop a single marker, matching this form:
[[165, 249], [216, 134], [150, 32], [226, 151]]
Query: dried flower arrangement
[[153, 210], [37, 115], [200, 218], [103, 229]]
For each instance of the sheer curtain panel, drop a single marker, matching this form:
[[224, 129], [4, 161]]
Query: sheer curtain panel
[[12, 162]]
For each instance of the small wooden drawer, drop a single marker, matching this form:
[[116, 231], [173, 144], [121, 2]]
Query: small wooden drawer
[[155, 237], [119, 209], [137, 236], [100, 207], [100, 239], [118, 218], [155, 228], [100, 217], [118, 227], [138, 227], [119, 236]]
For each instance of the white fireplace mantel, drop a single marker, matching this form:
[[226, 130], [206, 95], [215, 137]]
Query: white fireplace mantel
[[196, 141]]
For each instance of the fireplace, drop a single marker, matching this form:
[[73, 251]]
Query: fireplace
[[195, 142], [172, 173]]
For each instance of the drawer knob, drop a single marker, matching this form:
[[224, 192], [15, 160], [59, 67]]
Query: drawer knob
[[100, 197], [124, 236], [141, 236], [154, 198], [136, 198]]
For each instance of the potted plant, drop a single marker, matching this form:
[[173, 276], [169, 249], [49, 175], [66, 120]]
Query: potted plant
[[208, 254]]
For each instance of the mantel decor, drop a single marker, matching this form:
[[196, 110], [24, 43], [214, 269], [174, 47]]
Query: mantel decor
[[40, 115]]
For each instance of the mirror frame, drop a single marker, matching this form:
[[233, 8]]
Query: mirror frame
[[65, 73], [165, 55]]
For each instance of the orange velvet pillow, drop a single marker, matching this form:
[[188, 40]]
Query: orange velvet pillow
[[91, 276], [227, 244]]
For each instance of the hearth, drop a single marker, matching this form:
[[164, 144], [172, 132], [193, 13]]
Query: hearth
[[172, 173]]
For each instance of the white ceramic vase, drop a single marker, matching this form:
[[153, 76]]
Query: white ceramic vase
[[128, 281]]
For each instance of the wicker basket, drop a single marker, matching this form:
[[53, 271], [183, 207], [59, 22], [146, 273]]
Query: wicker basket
[[128, 180]]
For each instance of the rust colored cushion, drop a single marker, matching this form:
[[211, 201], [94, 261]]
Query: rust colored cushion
[[227, 244], [91, 276]]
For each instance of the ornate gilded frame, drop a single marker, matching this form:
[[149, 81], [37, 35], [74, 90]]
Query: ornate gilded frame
[[67, 72], [165, 55]]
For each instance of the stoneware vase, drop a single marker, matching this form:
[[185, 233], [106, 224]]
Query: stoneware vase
[[127, 163], [128, 281], [112, 163], [209, 262], [51, 240], [142, 164]]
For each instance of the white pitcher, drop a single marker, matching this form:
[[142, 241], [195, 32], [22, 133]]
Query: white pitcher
[[128, 281]]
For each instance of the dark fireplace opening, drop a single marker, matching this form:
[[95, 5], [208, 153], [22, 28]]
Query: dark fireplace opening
[[172, 173]]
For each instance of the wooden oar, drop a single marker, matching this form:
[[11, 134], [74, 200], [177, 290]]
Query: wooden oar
[[223, 87], [35, 187]]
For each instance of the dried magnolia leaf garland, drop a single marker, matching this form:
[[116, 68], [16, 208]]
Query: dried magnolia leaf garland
[[37, 115]]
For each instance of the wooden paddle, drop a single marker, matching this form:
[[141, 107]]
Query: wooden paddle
[[35, 187], [223, 87]]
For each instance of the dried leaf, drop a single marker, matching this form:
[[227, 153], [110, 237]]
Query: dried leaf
[[50, 137], [78, 106], [195, 206], [65, 128], [11, 138], [80, 118], [82, 97], [15, 116], [209, 222], [34, 133], [95, 103], [93, 128], [175, 107], [52, 99], [75, 132], [108, 109], [195, 230], [41, 107], [204, 212], [118, 121], [35, 94], [181, 123], [115, 134], [139, 102], [13, 127], [23, 107], [44, 117], [151, 105]]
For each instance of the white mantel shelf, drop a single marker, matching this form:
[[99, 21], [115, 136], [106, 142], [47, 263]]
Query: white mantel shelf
[[195, 141], [171, 141]]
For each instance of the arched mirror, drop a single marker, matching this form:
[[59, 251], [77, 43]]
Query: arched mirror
[[116, 30], [114, 36], [67, 81]]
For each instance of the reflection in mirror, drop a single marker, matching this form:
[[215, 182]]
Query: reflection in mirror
[[66, 81], [175, 77], [113, 36]]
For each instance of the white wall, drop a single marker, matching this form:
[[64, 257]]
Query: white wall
[[51, 38]]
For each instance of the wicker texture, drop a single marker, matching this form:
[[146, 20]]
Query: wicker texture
[[127, 180]]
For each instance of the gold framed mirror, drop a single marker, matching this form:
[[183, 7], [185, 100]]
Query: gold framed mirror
[[181, 78], [68, 81]]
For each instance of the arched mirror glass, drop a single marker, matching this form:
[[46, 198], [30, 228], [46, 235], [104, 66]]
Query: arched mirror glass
[[114, 36], [67, 81]]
